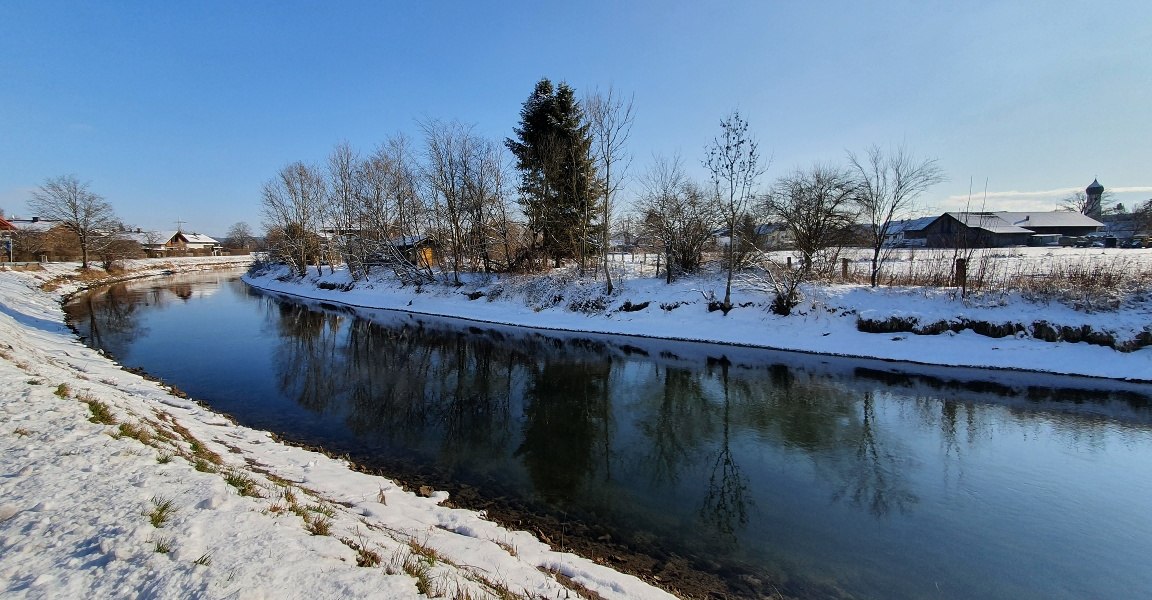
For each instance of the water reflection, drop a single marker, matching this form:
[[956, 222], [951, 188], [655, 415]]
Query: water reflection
[[793, 468]]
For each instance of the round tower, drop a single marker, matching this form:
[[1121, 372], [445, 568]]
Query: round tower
[[1094, 192]]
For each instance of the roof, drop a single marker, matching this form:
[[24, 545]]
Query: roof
[[909, 225], [1057, 218], [198, 238], [1094, 187], [6, 226], [34, 224], [990, 222]]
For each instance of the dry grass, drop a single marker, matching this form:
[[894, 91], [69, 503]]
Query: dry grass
[[1084, 280]]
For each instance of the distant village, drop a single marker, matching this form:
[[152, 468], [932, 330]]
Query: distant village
[[42, 240]]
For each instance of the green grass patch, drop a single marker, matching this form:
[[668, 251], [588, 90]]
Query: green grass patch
[[162, 511]]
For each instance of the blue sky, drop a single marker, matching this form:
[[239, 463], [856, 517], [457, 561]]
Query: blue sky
[[181, 110]]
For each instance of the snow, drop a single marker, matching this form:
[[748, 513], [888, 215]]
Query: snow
[[826, 323], [79, 500]]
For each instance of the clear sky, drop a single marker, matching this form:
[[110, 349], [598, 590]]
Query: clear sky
[[181, 110]]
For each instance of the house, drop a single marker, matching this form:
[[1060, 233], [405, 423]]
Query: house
[[1004, 228], [6, 226], [176, 243], [909, 232], [774, 236], [43, 240]]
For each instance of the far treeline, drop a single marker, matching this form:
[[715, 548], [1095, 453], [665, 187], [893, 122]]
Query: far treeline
[[455, 203]]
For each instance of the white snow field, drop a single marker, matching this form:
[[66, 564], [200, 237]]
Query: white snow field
[[165, 499]]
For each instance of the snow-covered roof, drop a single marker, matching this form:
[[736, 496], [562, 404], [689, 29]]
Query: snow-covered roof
[[198, 238], [33, 224], [990, 222], [1057, 218], [909, 225]]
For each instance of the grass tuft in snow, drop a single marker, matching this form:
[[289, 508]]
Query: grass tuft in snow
[[205, 560], [136, 431], [164, 458], [162, 511], [162, 545], [63, 390], [364, 556], [101, 412], [318, 524], [22, 432], [243, 484]]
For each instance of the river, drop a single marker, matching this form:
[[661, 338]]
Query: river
[[765, 471]]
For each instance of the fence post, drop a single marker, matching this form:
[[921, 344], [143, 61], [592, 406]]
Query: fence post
[[844, 268], [789, 263], [962, 275]]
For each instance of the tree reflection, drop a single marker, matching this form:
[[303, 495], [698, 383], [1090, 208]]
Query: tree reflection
[[562, 407], [725, 502], [308, 363], [875, 479], [678, 423], [108, 320]]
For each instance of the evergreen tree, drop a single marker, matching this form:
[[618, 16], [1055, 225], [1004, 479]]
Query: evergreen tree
[[558, 186]]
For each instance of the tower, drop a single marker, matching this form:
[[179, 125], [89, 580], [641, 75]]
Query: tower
[[1092, 207]]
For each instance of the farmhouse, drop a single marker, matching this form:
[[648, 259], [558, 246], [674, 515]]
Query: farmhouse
[[999, 229]]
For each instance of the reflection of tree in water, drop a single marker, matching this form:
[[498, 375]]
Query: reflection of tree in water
[[875, 479], [182, 291], [562, 409], [307, 359], [109, 320], [725, 502], [678, 423], [411, 383]]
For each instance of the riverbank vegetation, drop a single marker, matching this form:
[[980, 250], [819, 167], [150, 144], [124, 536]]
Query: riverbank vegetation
[[456, 204]]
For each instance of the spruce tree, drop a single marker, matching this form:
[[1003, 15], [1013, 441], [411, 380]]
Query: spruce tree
[[558, 185]]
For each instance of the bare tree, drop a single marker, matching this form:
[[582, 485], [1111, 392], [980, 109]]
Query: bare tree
[[239, 235], [611, 119], [1080, 202], [734, 162], [293, 204], [817, 207], [887, 187], [79, 210], [343, 213], [678, 214]]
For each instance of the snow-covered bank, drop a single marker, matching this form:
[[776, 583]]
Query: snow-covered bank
[[826, 324], [112, 486]]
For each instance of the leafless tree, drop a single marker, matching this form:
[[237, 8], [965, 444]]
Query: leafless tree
[[293, 206], [239, 235], [734, 163], [817, 207], [610, 117], [678, 214], [1142, 218], [1079, 202], [343, 210], [79, 210], [887, 187]]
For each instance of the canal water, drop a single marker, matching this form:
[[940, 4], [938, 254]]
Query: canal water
[[814, 476]]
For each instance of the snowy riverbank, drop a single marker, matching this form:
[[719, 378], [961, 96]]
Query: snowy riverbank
[[112, 486], [827, 323]]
